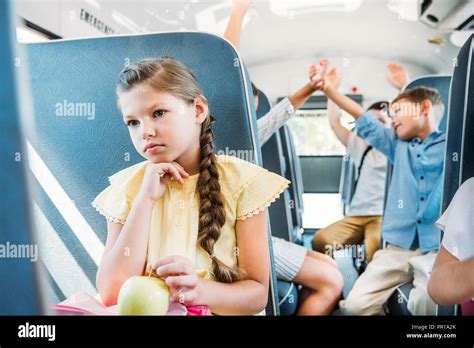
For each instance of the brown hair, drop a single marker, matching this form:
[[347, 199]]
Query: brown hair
[[418, 94], [171, 76], [379, 106], [255, 90]]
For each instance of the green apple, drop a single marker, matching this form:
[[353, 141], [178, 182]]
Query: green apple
[[143, 295]]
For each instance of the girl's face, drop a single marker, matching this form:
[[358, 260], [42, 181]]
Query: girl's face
[[163, 128]]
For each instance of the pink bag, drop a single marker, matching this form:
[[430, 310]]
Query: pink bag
[[82, 303], [467, 308]]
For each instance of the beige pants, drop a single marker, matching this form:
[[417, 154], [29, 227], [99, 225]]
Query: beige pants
[[389, 269], [349, 231]]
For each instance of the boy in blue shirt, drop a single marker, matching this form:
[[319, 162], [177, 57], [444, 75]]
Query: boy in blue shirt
[[415, 147]]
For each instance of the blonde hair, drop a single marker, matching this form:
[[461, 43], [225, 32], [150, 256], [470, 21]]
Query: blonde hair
[[171, 76]]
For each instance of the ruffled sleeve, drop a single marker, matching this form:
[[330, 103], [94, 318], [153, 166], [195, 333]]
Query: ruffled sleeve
[[114, 202], [254, 188], [260, 193]]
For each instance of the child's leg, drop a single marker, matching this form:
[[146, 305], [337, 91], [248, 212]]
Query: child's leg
[[349, 230], [389, 269], [372, 235], [318, 273], [322, 285], [419, 302]]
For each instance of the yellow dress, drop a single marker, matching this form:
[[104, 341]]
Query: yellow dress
[[247, 189]]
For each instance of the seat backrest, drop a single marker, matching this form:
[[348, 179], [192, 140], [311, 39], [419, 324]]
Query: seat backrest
[[459, 160], [19, 286], [293, 173], [273, 160], [80, 140]]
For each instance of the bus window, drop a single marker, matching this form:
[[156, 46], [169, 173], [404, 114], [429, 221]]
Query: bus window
[[313, 136], [315, 142]]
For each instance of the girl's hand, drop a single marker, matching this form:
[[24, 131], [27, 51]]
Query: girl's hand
[[181, 277], [157, 176]]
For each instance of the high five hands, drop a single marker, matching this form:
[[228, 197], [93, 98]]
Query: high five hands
[[321, 75]]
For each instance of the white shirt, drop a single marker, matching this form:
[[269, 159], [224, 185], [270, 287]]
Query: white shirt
[[368, 197], [457, 222]]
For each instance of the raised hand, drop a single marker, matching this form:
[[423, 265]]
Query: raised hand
[[318, 75], [317, 81], [397, 75], [157, 176]]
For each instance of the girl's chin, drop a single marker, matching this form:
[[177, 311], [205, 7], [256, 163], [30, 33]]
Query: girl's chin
[[159, 159]]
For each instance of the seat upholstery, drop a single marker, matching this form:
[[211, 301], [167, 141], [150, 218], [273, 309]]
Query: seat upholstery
[[280, 214], [19, 285]]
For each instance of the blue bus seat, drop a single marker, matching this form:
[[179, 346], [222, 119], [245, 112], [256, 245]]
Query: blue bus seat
[[20, 285], [280, 214], [293, 173], [459, 161]]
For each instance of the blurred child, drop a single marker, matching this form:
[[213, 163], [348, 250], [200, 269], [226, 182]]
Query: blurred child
[[363, 220], [317, 273], [415, 147], [452, 278]]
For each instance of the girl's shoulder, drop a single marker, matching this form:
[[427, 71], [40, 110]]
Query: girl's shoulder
[[236, 173], [123, 176], [250, 186], [114, 201], [238, 167]]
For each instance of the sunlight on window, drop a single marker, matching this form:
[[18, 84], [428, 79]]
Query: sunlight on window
[[321, 209], [313, 135]]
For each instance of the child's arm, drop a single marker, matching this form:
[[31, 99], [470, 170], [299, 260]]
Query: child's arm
[[249, 296], [334, 117], [369, 128], [334, 112], [344, 102], [279, 115], [398, 75], [126, 246], [319, 77], [244, 297], [448, 270], [125, 251], [298, 98], [234, 27]]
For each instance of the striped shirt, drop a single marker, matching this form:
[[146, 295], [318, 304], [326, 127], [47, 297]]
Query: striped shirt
[[274, 119]]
